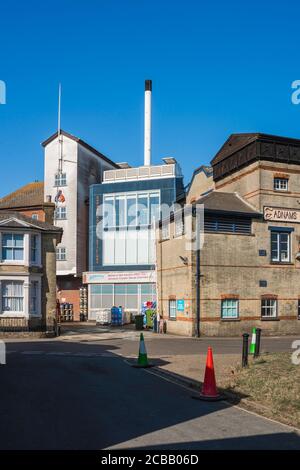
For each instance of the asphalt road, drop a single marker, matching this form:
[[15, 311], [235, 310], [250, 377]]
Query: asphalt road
[[70, 395]]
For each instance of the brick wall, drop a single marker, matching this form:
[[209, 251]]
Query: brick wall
[[68, 291]]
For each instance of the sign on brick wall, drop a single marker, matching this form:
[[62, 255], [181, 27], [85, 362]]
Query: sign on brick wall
[[279, 214]]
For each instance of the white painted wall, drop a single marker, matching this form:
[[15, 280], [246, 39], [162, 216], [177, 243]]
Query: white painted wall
[[83, 168], [70, 162]]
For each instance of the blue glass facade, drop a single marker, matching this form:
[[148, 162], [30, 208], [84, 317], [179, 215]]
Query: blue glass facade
[[168, 188]]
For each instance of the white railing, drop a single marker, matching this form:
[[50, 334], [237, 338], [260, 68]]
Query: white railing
[[139, 173]]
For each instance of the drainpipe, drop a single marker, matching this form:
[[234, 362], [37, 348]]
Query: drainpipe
[[198, 291], [198, 273]]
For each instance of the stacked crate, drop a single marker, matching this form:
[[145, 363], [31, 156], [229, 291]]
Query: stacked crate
[[83, 303]]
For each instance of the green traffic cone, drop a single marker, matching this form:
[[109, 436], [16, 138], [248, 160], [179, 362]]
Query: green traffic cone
[[253, 341], [142, 359]]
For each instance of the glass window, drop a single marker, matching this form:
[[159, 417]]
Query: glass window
[[12, 296], [131, 211], [35, 216], [269, 308], [109, 212], [34, 296], [172, 309], [178, 219], [61, 254], [33, 248], [61, 213], [120, 211], [102, 296], [154, 207], [230, 308], [60, 179], [12, 247], [280, 247], [143, 210], [165, 231], [281, 184]]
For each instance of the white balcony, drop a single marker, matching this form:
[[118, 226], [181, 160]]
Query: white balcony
[[142, 173]]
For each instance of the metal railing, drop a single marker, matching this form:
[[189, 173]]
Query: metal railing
[[138, 173]]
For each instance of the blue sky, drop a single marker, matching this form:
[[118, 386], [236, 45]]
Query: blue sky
[[217, 68]]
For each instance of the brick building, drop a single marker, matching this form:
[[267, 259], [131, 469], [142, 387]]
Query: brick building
[[27, 271], [29, 200], [247, 272]]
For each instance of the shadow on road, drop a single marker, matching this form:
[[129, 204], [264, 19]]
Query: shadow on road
[[260, 442], [69, 395]]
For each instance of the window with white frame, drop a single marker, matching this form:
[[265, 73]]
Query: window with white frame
[[60, 179], [35, 216], [12, 247], [61, 213], [12, 293], [229, 308], [34, 299], [269, 308], [165, 230], [34, 248], [172, 309], [178, 222], [61, 253], [281, 184], [280, 246]]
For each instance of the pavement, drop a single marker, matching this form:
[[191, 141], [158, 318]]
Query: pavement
[[80, 393]]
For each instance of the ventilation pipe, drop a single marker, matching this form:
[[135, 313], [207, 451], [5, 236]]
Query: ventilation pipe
[[147, 138]]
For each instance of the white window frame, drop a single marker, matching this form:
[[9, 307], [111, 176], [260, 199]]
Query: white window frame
[[25, 261], [271, 306], [178, 224], [13, 261], [151, 297], [281, 184], [225, 307], [38, 312], [165, 230], [60, 179], [25, 312], [38, 261], [172, 309], [59, 250], [58, 213], [278, 233]]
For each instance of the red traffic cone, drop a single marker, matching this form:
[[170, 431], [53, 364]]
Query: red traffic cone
[[209, 390]]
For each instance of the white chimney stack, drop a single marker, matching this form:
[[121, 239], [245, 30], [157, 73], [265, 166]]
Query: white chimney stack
[[147, 142]]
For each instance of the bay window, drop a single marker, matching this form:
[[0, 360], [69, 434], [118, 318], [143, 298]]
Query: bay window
[[12, 247], [12, 293], [33, 307], [34, 248]]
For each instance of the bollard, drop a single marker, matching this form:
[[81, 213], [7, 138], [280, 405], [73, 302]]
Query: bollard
[[257, 344], [245, 350]]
